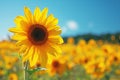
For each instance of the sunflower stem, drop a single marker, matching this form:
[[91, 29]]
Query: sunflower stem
[[26, 74], [58, 77]]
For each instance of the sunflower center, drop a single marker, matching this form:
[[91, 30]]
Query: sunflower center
[[86, 60], [37, 34], [11, 78], [56, 64], [115, 59]]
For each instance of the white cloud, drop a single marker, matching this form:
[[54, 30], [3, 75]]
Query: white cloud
[[70, 28], [72, 25]]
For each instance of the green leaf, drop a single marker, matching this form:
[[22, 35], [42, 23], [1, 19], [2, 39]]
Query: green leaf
[[31, 71]]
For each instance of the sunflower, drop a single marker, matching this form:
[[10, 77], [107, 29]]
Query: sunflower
[[70, 40], [13, 76], [57, 66], [37, 35]]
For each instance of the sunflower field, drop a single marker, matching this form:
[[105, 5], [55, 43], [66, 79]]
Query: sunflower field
[[82, 60]]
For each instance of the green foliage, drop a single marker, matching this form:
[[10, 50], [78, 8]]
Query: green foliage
[[104, 37]]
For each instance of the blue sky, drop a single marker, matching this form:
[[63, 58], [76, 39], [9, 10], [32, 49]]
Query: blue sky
[[75, 16]]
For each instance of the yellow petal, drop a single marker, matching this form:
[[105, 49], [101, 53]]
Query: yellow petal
[[22, 49], [51, 50], [54, 22], [54, 48], [37, 14], [55, 31], [21, 22], [28, 14], [43, 57], [19, 37], [56, 39], [18, 19], [16, 30], [24, 25], [23, 42], [52, 27], [43, 15], [34, 58], [26, 54], [49, 19]]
